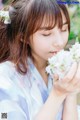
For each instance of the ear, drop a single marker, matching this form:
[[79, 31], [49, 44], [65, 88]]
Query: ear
[[21, 37], [24, 41], [30, 40]]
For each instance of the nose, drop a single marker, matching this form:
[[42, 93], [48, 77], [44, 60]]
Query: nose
[[58, 42]]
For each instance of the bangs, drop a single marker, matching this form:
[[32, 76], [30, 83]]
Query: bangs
[[39, 13], [49, 15], [49, 21]]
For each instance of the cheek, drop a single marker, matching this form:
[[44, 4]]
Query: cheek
[[40, 42], [35, 45], [41, 46], [65, 37]]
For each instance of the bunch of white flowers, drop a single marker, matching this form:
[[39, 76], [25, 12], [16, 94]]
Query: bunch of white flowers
[[4, 15], [75, 52], [61, 62]]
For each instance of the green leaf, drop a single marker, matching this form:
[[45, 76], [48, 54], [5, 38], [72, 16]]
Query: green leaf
[[77, 40]]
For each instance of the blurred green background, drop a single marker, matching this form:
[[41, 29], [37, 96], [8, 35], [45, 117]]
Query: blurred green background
[[74, 12]]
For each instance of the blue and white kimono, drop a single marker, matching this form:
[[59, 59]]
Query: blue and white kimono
[[22, 96]]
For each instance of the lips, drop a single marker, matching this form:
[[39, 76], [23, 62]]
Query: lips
[[54, 52]]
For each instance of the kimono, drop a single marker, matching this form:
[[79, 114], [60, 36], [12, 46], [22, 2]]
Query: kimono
[[22, 96]]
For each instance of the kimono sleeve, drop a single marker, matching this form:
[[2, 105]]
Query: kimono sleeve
[[13, 105]]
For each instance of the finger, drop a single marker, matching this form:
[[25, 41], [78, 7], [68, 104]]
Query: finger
[[55, 77], [76, 79], [70, 75], [77, 85], [75, 88], [59, 87], [77, 76]]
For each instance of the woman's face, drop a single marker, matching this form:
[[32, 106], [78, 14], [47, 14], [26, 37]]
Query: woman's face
[[45, 43]]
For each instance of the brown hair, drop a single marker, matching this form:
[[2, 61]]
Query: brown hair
[[26, 18]]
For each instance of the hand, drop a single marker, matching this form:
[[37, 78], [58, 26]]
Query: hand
[[70, 83]]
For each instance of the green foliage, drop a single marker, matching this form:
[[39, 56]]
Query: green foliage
[[5, 2], [75, 23]]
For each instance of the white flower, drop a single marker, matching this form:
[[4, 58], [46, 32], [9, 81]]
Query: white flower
[[59, 64], [62, 61], [75, 52], [5, 15]]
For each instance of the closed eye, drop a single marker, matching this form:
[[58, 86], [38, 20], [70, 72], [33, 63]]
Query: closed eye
[[64, 28], [46, 34]]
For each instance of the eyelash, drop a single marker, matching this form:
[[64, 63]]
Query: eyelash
[[64, 30], [50, 33], [46, 34]]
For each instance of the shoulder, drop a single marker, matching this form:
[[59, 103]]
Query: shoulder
[[12, 94], [9, 74], [11, 81], [6, 68]]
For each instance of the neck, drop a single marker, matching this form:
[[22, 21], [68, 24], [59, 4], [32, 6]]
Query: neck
[[39, 63]]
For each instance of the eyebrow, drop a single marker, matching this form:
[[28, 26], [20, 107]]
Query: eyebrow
[[49, 28]]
